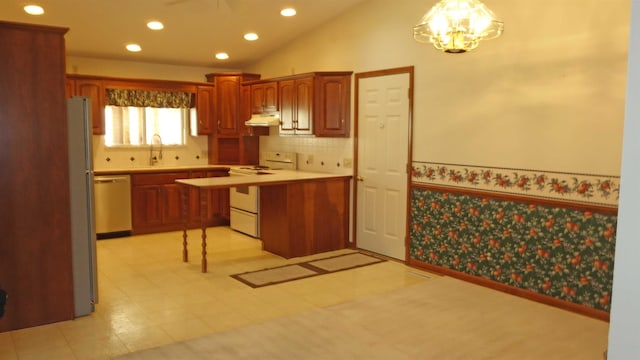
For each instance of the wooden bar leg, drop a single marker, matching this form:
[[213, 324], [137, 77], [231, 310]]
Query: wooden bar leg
[[204, 249], [185, 217], [203, 211]]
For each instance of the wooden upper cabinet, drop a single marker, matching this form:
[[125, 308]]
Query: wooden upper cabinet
[[205, 109], [286, 89], [316, 103], [304, 106], [264, 98], [333, 97], [228, 118], [245, 114], [228, 100], [93, 89], [296, 106]]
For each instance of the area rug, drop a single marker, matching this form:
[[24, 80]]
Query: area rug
[[303, 270]]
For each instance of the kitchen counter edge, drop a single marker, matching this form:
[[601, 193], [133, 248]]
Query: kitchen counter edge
[[147, 170], [274, 178]]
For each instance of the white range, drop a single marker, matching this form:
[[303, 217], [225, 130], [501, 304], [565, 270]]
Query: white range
[[245, 200]]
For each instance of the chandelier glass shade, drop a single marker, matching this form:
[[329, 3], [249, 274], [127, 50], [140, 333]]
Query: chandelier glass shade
[[457, 26]]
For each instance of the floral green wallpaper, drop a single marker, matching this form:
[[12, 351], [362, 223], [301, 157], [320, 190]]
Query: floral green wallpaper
[[563, 253]]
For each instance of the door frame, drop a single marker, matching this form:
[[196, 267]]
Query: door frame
[[378, 73]]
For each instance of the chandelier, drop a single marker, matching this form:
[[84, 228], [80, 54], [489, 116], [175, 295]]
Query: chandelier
[[457, 26]]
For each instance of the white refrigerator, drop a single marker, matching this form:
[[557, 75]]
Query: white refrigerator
[[83, 233]]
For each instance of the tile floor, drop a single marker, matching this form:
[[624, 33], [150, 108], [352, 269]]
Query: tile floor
[[149, 297]]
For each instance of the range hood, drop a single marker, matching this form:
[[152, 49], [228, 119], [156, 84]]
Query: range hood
[[263, 120]]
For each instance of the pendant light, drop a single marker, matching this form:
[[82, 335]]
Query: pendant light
[[457, 26]]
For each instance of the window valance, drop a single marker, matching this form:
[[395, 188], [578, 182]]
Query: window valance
[[149, 98]]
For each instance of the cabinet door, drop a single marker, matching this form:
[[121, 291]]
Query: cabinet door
[[228, 103], [332, 106], [94, 90], [219, 206], [257, 99], [245, 108], [172, 204], [264, 98], [270, 100], [146, 201], [286, 90], [205, 107], [224, 204], [303, 106]]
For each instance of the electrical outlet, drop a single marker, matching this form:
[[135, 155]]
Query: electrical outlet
[[347, 162]]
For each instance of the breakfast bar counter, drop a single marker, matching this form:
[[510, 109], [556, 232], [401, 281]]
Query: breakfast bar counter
[[266, 177], [301, 213]]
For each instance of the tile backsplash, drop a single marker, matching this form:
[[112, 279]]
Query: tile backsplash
[[327, 155], [108, 158]]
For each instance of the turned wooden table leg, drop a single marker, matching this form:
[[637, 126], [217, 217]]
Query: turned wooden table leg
[[203, 211], [185, 217]]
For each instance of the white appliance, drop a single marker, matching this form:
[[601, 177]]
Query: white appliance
[[83, 234], [263, 120], [245, 200]]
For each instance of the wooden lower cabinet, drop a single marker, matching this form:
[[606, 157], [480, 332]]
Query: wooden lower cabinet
[[305, 218], [157, 202]]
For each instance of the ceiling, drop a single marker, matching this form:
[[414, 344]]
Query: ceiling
[[194, 29]]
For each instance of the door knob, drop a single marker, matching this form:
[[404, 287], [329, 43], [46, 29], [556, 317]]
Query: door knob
[[360, 178]]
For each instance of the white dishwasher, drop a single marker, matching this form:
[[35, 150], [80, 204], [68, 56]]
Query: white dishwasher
[[112, 205]]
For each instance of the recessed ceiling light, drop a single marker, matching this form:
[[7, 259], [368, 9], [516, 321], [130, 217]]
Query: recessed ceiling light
[[222, 56], [155, 25], [134, 47], [34, 9], [288, 12], [251, 36]]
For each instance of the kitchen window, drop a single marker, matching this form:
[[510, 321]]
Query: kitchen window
[[133, 126], [133, 117]]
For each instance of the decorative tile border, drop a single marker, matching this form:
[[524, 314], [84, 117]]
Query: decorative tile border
[[582, 188]]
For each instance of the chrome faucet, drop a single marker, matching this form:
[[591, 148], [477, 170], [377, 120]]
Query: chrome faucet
[[154, 159]]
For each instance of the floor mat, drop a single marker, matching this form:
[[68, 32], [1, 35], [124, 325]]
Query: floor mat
[[306, 269]]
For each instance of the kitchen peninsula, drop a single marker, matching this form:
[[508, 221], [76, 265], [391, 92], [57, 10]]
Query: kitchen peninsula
[[301, 213]]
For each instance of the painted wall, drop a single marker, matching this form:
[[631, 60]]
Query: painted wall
[[625, 312], [545, 98], [137, 70], [548, 94]]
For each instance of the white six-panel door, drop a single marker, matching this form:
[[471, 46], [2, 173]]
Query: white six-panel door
[[383, 137]]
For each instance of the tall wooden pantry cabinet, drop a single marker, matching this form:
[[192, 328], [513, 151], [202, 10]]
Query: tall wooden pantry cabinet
[[35, 229]]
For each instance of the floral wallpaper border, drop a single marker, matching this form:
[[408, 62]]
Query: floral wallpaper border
[[582, 188]]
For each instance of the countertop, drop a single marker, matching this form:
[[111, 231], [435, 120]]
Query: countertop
[[161, 169], [271, 177]]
